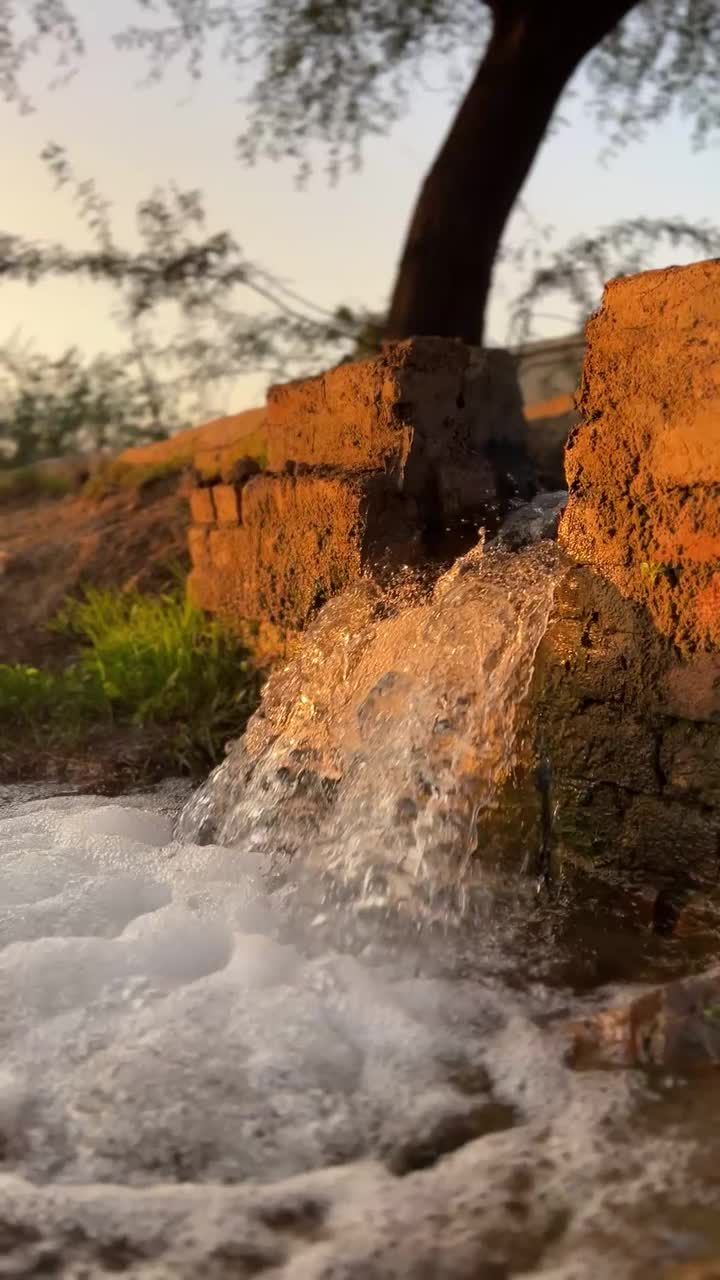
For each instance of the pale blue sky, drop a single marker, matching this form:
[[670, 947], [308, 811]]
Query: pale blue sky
[[331, 244]]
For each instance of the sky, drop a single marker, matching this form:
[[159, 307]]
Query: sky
[[330, 243]]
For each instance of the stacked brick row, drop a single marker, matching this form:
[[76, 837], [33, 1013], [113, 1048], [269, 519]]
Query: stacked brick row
[[361, 465]]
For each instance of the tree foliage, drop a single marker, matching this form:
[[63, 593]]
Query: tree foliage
[[179, 300], [337, 71], [71, 405], [663, 59], [577, 272], [316, 74]]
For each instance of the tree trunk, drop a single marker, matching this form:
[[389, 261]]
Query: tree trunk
[[445, 272]]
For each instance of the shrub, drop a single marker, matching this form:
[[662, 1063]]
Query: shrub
[[147, 661]]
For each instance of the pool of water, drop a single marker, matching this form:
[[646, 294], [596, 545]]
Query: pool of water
[[206, 1070]]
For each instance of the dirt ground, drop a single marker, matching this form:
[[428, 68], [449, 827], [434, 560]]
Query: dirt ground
[[50, 549]]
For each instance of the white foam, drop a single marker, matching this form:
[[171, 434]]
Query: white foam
[[163, 1023], [153, 829]]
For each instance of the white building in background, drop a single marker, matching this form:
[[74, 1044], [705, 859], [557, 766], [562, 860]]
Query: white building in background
[[550, 368]]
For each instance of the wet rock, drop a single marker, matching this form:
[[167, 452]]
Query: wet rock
[[675, 1027], [534, 521], [632, 786]]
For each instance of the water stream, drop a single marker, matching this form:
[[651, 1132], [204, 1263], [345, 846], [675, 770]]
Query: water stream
[[305, 1026], [393, 729]]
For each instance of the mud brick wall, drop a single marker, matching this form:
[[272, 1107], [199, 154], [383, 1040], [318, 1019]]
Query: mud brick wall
[[644, 466], [275, 548], [368, 462], [629, 672]]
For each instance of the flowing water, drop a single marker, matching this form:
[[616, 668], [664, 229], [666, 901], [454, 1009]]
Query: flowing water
[[308, 1027], [391, 732]]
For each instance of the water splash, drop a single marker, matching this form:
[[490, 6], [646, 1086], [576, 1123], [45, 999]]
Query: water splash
[[379, 746]]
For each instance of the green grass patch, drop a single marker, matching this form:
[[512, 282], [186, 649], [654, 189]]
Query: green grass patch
[[148, 661], [118, 477]]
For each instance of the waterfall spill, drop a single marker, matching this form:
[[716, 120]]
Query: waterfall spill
[[379, 746]]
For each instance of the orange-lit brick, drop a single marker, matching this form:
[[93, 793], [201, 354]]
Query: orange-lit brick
[[199, 547], [201, 506], [227, 501]]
